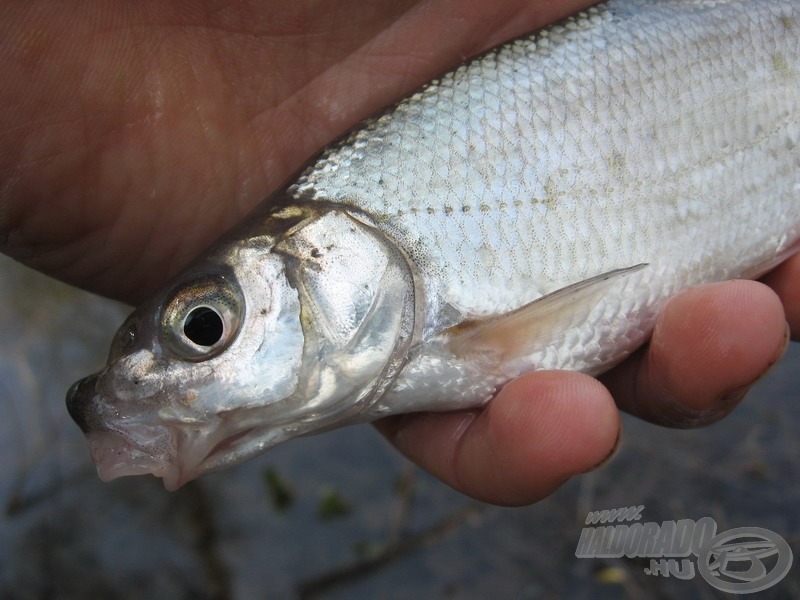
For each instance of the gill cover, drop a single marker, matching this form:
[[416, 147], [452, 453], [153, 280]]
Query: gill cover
[[358, 301]]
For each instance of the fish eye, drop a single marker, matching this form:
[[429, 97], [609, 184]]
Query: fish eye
[[202, 318], [204, 326]]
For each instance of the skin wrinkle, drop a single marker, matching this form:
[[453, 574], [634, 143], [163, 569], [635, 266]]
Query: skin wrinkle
[[650, 376], [489, 437], [326, 57], [93, 223], [239, 180], [88, 160], [298, 118], [579, 390], [183, 220], [305, 100], [634, 373], [456, 452]]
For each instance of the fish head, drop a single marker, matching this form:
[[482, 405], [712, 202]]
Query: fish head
[[265, 338], [224, 338]]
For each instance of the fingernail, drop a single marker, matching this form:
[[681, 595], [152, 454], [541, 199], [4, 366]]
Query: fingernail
[[729, 400], [787, 337], [611, 455], [733, 397], [776, 358]]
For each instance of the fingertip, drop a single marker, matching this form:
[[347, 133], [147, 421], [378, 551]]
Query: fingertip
[[713, 339], [539, 431], [709, 345], [569, 420], [542, 428], [785, 282]]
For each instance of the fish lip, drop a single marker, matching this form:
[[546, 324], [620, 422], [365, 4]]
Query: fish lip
[[122, 446], [81, 401], [115, 456]]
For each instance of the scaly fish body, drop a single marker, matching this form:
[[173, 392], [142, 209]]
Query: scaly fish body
[[532, 209]]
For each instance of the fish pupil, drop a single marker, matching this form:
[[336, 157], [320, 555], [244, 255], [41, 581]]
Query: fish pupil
[[203, 326]]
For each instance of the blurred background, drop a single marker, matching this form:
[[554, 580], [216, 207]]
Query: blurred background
[[341, 515]]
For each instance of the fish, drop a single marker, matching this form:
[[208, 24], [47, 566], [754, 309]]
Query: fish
[[534, 208]]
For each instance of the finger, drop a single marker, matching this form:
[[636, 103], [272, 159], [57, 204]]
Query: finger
[[709, 346], [540, 430], [785, 281]]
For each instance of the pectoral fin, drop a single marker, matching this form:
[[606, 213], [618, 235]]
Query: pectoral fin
[[536, 325]]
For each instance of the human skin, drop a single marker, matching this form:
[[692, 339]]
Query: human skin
[[133, 134]]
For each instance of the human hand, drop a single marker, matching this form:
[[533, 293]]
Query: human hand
[[709, 346], [131, 136]]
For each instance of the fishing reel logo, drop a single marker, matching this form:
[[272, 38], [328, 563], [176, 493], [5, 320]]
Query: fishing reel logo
[[734, 560], [738, 561]]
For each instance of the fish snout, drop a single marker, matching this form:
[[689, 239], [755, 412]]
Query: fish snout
[[81, 404], [118, 450]]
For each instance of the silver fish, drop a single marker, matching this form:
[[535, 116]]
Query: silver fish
[[532, 209]]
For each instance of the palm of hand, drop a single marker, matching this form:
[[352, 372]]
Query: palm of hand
[[133, 136]]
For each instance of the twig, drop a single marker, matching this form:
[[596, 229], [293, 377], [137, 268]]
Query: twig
[[406, 486], [202, 516], [315, 586]]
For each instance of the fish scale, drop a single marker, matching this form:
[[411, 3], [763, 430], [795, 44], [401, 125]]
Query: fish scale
[[664, 71], [533, 209]]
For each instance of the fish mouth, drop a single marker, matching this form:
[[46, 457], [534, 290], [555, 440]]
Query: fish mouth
[[162, 444], [177, 457], [122, 446], [115, 456]]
